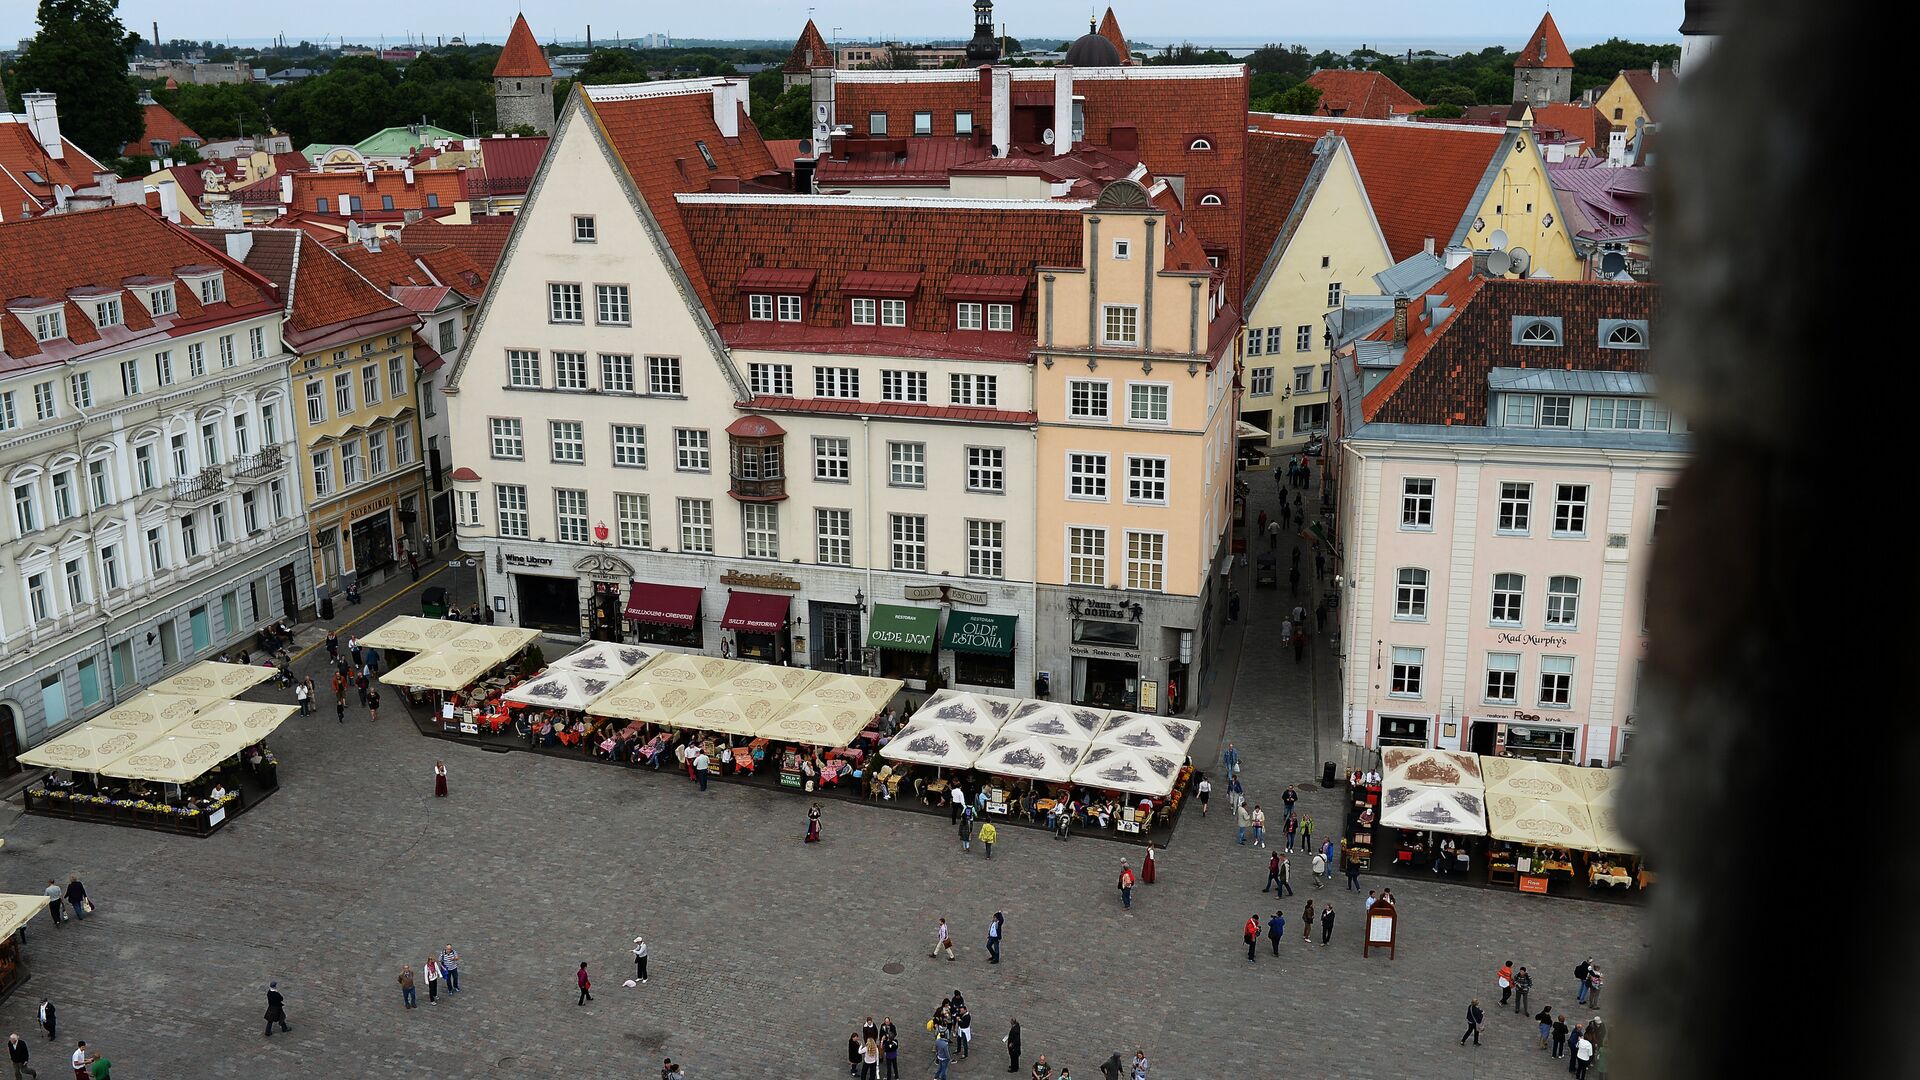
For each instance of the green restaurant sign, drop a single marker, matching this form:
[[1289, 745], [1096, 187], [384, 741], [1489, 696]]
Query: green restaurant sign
[[979, 632], [909, 629]]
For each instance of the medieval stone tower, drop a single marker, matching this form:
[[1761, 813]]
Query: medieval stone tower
[[1543, 72], [523, 83]]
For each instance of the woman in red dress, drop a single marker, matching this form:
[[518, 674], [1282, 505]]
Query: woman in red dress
[[439, 779]]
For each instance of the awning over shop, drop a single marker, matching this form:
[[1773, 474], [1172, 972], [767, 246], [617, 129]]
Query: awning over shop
[[663, 605], [17, 910], [755, 612], [979, 632], [1249, 431], [908, 629]]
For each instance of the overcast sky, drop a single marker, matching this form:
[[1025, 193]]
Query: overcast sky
[[1504, 22]]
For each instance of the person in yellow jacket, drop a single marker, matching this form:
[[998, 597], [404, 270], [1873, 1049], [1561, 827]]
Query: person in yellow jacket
[[988, 834]]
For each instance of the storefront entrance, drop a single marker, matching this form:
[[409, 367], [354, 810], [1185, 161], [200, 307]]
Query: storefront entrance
[[1106, 683], [836, 637], [759, 625], [548, 603], [373, 545], [904, 637], [1403, 731], [604, 615], [982, 644], [664, 615]]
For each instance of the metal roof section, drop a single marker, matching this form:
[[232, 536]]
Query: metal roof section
[[1557, 380], [1410, 276]]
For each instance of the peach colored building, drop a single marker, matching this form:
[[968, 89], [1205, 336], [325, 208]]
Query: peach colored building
[[1502, 468]]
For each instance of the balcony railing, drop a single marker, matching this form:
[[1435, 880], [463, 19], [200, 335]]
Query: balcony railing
[[760, 487], [268, 459], [200, 487]]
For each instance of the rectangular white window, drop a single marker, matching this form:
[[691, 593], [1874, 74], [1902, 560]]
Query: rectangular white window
[[80, 390], [630, 446], [1120, 325], [663, 376], [832, 459], [523, 368], [1147, 561], [635, 520], [1570, 510], [986, 469], [909, 532], [396, 378], [1303, 337], [570, 515], [760, 530], [177, 449], [110, 573], [1626, 414], [38, 602], [469, 503], [277, 497], [1086, 556], [569, 371], [156, 550], [257, 343], [1261, 383], [144, 468], [10, 413], [196, 359], [370, 384], [612, 306], [1416, 502], [99, 483], [49, 325], [692, 451], [836, 382], [893, 313], [242, 438], [1410, 594], [226, 350], [907, 464], [221, 535], [1522, 410], [269, 424], [1556, 681], [923, 123], [760, 307], [26, 509], [1333, 295], [967, 315], [316, 402], [106, 313], [343, 393], [1662, 502], [46, 404], [507, 440], [1000, 318], [1556, 410], [1409, 670], [403, 444], [696, 526], [322, 473], [986, 549], [569, 442], [776, 379], [1087, 400], [616, 373], [904, 386], [510, 505], [834, 537], [376, 453], [1087, 476], [163, 367], [75, 571], [977, 390], [1149, 403], [66, 503], [863, 311], [584, 229], [1563, 602], [1253, 341], [350, 472], [876, 123], [789, 308], [1274, 334], [1503, 678], [210, 448], [1509, 599], [1147, 480], [563, 304], [1516, 509]]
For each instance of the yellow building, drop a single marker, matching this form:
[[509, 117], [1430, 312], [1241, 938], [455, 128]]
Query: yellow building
[[1134, 473], [355, 410], [1632, 99], [1314, 235]]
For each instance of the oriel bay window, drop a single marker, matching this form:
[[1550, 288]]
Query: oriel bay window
[[756, 450]]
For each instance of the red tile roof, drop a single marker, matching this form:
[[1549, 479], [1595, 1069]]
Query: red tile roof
[[1544, 49], [784, 151], [1563, 123], [507, 165], [20, 153], [1648, 89], [446, 186], [387, 268], [770, 403], [52, 255], [1421, 178], [161, 126], [656, 139], [920, 161], [482, 241], [1110, 29], [1365, 95], [809, 52], [328, 301], [1278, 165], [522, 58]]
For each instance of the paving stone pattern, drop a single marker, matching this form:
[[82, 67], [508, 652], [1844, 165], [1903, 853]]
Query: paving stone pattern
[[766, 952]]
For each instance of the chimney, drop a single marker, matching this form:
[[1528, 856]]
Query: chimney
[[373, 241], [369, 174], [239, 243], [723, 185], [286, 188], [1062, 109], [728, 96], [153, 165], [1399, 320], [146, 97], [1617, 148], [1427, 246], [1656, 71], [1457, 255], [820, 84], [43, 119], [408, 173], [170, 201], [1002, 110]]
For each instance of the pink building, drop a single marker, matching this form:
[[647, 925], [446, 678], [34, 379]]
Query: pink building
[[1502, 466]]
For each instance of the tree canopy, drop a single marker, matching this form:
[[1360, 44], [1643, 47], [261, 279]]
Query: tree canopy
[[80, 54]]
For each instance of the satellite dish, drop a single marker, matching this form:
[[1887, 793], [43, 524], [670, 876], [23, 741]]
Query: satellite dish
[[1047, 136], [1612, 263], [1521, 260], [1499, 262], [1498, 239]]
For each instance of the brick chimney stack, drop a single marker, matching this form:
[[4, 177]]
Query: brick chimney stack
[[1399, 320]]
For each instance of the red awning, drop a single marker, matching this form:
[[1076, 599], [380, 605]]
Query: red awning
[[775, 279], [755, 612], [664, 605]]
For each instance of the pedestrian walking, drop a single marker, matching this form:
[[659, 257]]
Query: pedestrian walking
[[853, 1054], [48, 1021], [640, 959], [55, 894], [1580, 971], [413, 564], [1139, 1065], [1319, 564], [943, 939], [1319, 869], [957, 798], [1594, 982], [1306, 832], [1276, 926], [1273, 873], [1233, 605], [813, 824], [988, 834], [701, 763], [1353, 870], [1273, 535], [1259, 817], [1205, 790], [1299, 639], [1291, 826], [1475, 1017], [360, 684], [1559, 1036], [276, 1009], [1288, 799], [1504, 979], [333, 646], [995, 930], [450, 968], [340, 710], [409, 997], [1012, 1039], [1320, 617], [1545, 1019], [1293, 581], [1062, 821], [1327, 850], [585, 984], [1286, 874], [1126, 886], [432, 971], [1326, 924], [18, 1053], [1111, 1068], [1230, 759], [77, 897], [1244, 818], [301, 697], [966, 829], [1261, 523], [373, 705], [439, 779], [1522, 983], [890, 1052], [1306, 924], [1250, 933], [942, 1054]]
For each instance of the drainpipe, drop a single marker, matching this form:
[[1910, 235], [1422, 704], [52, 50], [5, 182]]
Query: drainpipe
[[866, 510]]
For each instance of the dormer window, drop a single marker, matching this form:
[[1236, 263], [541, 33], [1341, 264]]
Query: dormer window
[[1201, 143], [213, 289], [1000, 318], [706, 155], [49, 324], [1622, 334], [1531, 330], [160, 146], [760, 307], [892, 312], [160, 300], [1211, 199], [864, 311], [106, 312], [789, 308]]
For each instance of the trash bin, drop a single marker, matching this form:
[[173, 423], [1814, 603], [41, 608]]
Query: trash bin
[[1327, 772], [326, 607]]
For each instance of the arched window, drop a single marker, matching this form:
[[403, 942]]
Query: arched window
[[1626, 336], [1540, 333], [1200, 144], [1211, 200], [1410, 594]]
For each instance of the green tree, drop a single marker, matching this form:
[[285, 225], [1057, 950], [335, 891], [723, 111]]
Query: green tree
[[1442, 112], [219, 110], [1300, 100], [1596, 65], [80, 54], [789, 116], [1451, 94], [1281, 60], [358, 97], [611, 66]]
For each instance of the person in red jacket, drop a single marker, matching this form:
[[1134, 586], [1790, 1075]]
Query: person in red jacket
[[1126, 886], [1251, 932]]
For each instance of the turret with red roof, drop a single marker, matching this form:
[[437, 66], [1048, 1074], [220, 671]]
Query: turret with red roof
[[523, 82], [1543, 72]]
